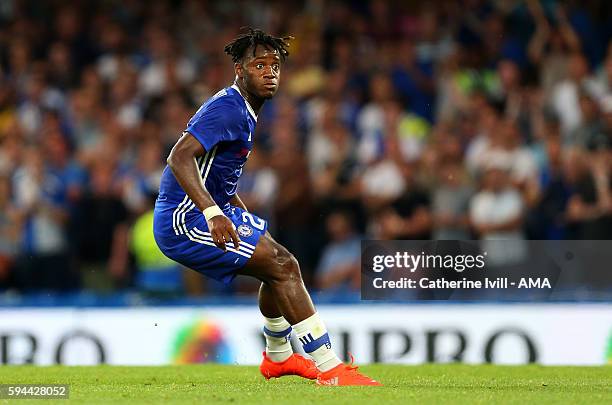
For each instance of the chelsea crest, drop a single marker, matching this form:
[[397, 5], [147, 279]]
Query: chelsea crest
[[245, 230]]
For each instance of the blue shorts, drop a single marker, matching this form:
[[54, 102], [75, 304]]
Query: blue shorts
[[184, 237]]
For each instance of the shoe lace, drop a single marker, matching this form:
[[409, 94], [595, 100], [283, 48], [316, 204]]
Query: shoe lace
[[350, 366], [352, 369]]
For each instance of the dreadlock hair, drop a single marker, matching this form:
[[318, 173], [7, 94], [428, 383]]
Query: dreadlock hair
[[254, 37]]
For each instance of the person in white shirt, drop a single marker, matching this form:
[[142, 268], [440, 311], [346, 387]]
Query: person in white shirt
[[496, 213]]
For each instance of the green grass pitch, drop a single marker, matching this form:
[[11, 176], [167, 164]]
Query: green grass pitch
[[210, 384]]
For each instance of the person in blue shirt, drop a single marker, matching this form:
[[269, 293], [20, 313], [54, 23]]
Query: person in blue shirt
[[200, 221]]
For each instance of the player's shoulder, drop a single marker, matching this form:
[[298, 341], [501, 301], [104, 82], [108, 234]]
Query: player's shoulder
[[226, 99], [226, 105], [226, 109]]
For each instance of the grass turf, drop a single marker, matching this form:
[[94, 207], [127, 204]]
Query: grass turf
[[207, 384]]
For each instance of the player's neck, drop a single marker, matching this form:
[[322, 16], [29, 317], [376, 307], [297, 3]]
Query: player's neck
[[255, 102]]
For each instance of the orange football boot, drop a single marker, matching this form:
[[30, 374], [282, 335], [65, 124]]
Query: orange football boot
[[294, 365], [345, 374]]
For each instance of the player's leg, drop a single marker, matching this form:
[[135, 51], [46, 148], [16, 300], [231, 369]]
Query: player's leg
[[280, 272], [195, 249], [267, 304], [276, 328], [279, 359]]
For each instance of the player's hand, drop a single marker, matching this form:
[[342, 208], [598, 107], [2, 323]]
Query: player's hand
[[222, 231]]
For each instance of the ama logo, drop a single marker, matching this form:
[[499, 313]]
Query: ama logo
[[201, 341]]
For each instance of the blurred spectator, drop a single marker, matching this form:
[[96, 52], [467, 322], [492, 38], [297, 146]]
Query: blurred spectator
[[497, 213], [332, 161], [144, 177], [409, 215], [508, 151], [604, 141], [339, 268], [450, 204], [371, 118], [486, 135], [588, 209], [167, 69], [413, 81], [551, 45], [565, 97], [155, 273], [61, 164], [9, 231], [411, 130], [124, 99], [547, 219], [382, 182], [41, 202], [591, 126], [85, 114], [174, 116], [335, 101], [604, 76], [102, 231], [11, 151], [62, 74], [37, 97], [258, 186]]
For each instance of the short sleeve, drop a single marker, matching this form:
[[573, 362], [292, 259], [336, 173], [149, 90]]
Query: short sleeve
[[220, 122]]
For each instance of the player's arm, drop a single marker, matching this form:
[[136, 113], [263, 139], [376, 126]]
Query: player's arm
[[182, 162]]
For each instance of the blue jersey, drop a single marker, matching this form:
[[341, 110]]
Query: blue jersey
[[224, 126]]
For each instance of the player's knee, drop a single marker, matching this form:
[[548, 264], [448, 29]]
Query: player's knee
[[286, 266]]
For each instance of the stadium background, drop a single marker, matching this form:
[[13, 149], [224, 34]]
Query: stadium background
[[394, 120]]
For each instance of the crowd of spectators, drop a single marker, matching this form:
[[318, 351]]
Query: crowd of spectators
[[395, 120]]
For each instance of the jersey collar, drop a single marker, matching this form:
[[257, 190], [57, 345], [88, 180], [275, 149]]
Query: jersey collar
[[246, 102]]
